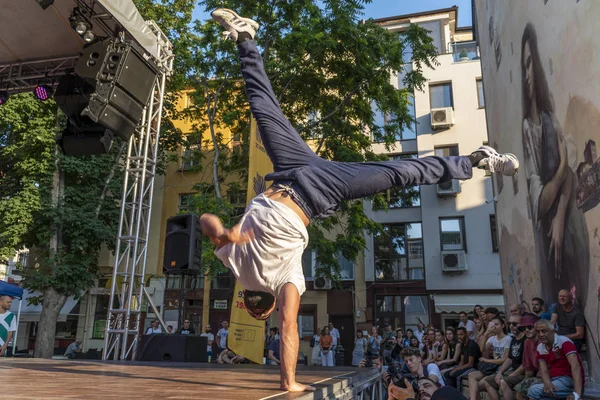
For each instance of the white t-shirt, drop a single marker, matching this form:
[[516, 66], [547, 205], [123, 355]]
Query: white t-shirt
[[6, 327], [210, 337], [499, 346], [222, 335], [274, 257], [433, 369], [470, 327], [152, 331], [419, 335], [335, 334]]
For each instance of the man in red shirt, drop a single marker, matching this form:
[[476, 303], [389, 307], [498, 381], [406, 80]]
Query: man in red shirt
[[560, 365]]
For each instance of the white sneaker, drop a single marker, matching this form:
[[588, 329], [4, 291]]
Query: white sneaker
[[505, 164], [233, 23]]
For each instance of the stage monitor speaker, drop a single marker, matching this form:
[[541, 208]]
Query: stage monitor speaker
[[175, 348], [183, 244]]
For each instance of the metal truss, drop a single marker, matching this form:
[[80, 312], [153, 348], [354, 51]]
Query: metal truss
[[128, 285], [23, 76]]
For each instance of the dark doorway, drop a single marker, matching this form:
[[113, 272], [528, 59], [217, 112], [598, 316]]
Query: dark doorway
[[345, 324]]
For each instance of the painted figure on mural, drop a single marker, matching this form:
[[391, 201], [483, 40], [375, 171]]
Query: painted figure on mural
[[561, 237]]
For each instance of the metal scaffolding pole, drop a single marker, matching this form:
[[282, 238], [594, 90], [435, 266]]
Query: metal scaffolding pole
[[128, 278]]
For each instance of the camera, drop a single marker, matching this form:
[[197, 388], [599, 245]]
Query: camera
[[399, 377], [369, 357]]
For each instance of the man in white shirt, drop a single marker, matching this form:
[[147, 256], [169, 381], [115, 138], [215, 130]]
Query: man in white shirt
[[211, 339], [222, 336], [154, 328], [419, 332], [335, 334], [8, 323], [466, 323]]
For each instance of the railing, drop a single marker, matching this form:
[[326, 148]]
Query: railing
[[464, 51]]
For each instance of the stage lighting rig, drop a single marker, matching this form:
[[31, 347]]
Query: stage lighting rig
[[43, 92], [81, 25], [45, 3]]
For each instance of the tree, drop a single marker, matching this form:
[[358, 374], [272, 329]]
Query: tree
[[331, 72], [65, 208]]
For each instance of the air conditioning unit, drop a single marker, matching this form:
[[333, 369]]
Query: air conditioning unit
[[442, 117], [322, 283], [449, 188], [454, 261]]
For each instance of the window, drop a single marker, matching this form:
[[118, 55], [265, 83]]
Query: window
[[100, 316], [346, 268], [237, 198], [494, 233], [440, 95], [401, 311], [309, 264], [399, 253], [381, 119], [464, 51], [185, 200], [446, 151], [307, 322], [480, 97], [452, 233], [190, 157], [402, 197]]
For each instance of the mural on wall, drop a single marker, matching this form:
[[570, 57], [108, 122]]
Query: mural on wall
[[540, 68]]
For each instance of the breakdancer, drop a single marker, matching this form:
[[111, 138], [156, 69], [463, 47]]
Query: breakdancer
[[264, 250]]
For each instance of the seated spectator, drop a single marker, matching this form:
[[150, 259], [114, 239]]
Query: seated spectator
[[428, 351], [498, 345], [440, 347], [529, 367], [414, 342], [560, 365], [446, 393], [229, 357], [396, 356], [273, 353], [409, 335], [510, 372], [73, 348], [453, 351], [470, 355], [537, 308], [515, 309], [401, 338], [468, 324], [571, 322], [414, 363], [186, 329], [479, 328]]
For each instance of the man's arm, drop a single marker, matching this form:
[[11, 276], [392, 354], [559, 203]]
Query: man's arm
[[554, 318], [5, 346], [579, 333], [213, 228], [576, 373], [289, 303], [272, 356]]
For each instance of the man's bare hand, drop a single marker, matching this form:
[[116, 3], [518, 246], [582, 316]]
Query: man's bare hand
[[237, 236]]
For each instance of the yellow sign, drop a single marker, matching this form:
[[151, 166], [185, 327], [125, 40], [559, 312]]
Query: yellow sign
[[246, 334]]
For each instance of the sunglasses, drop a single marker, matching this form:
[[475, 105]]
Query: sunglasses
[[514, 324], [528, 327]]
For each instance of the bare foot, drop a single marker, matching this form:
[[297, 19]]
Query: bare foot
[[298, 387]]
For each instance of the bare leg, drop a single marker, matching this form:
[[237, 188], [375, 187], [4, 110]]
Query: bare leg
[[474, 378], [289, 303], [493, 393], [507, 392]]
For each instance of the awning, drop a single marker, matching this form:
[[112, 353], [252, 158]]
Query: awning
[[31, 313], [455, 303], [8, 289]]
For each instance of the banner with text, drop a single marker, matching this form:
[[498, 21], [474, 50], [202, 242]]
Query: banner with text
[[246, 334]]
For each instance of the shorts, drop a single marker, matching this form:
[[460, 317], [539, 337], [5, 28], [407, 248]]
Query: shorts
[[523, 387], [511, 381]]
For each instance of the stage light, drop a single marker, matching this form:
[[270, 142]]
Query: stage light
[[81, 28], [3, 97], [44, 3], [42, 92], [89, 36]]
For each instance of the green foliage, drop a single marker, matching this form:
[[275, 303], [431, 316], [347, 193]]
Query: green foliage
[[330, 71]]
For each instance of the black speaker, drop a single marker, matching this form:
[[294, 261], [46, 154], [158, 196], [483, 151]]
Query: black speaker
[[176, 348], [88, 141], [183, 244]]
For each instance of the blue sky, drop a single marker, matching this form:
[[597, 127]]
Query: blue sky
[[390, 8]]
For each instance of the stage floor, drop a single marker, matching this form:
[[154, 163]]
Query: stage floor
[[71, 379]]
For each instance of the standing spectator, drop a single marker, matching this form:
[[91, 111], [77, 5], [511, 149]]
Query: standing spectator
[[419, 332], [571, 322], [186, 329], [374, 342], [210, 339], [397, 349], [335, 334], [453, 353], [470, 355], [499, 346], [270, 338], [316, 349], [326, 343], [222, 336], [440, 346], [360, 347], [510, 372], [169, 329], [467, 324], [560, 365], [273, 354], [73, 348], [388, 341], [400, 337], [154, 328], [8, 323]]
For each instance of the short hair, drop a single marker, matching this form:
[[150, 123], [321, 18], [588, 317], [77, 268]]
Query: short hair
[[538, 300], [492, 310], [462, 312], [461, 328], [545, 323], [411, 351], [259, 304]]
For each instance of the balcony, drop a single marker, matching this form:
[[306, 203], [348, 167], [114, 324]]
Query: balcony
[[463, 51]]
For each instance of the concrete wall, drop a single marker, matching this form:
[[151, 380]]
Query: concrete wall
[[561, 81]]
